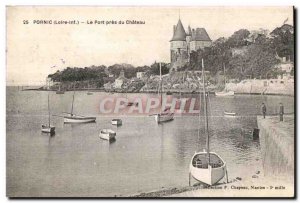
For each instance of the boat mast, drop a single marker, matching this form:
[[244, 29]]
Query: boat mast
[[205, 112], [160, 83], [73, 101], [224, 74], [48, 111]]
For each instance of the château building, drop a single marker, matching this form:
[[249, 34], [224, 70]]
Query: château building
[[183, 43]]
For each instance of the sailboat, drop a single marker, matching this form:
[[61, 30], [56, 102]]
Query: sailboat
[[59, 91], [165, 115], [89, 92], [48, 128], [72, 118], [207, 167], [224, 92]]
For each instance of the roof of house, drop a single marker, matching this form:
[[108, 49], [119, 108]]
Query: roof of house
[[179, 34], [200, 34], [121, 78]]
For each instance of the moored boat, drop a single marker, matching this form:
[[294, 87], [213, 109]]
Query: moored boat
[[229, 113], [116, 121], [48, 129], [72, 118], [59, 91], [132, 103], [89, 92], [207, 167], [224, 93], [165, 115], [107, 134]]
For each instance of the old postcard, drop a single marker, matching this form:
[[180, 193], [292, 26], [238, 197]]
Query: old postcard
[[150, 102]]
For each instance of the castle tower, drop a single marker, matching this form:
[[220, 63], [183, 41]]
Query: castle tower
[[188, 40], [199, 39], [179, 47]]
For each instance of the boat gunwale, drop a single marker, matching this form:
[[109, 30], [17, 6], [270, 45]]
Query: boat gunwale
[[196, 153], [80, 118]]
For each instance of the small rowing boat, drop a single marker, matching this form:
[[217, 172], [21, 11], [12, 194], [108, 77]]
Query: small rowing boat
[[48, 129], [116, 121], [107, 134], [229, 113]]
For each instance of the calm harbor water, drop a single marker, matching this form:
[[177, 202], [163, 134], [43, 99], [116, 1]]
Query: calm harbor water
[[144, 157]]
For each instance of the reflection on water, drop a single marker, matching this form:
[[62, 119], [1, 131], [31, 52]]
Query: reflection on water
[[143, 157]]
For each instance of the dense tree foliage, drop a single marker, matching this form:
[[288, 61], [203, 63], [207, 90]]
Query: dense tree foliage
[[154, 69], [245, 56]]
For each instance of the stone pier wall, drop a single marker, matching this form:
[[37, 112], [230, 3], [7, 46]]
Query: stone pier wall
[[277, 146]]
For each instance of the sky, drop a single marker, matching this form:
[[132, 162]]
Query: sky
[[32, 49]]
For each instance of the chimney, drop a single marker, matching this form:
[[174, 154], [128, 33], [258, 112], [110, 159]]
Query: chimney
[[174, 28]]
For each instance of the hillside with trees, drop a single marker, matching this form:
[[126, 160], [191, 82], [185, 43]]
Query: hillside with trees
[[246, 54]]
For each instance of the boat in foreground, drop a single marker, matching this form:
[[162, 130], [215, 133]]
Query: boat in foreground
[[107, 134], [208, 168], [116, 121], [224, 93]]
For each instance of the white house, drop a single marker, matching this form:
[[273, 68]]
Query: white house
[[120, 80], [140, 75]]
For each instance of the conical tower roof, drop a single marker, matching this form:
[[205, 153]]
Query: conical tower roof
[[200, 35], [179, 34]]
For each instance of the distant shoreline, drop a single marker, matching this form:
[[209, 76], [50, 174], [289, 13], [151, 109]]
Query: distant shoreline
[[154, 91]]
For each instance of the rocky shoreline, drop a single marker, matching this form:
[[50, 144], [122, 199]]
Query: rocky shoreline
[[212, 91]]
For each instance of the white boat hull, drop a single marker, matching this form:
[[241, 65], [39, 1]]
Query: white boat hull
[[107, 134], [164, 117], [224, 93], [78, 119], [116, 122], [229, 113], [209, 175], [47, 129]]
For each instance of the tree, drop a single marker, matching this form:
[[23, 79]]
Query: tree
[[154, 69], [239, 38]]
